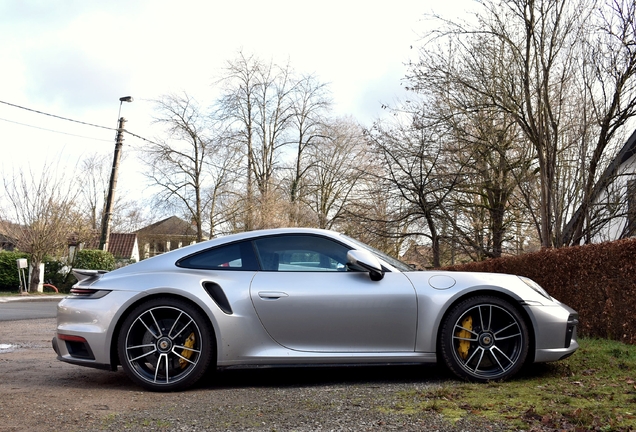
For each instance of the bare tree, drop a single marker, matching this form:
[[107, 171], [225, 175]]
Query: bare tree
[[340, 163], [415, 163], [564, 73], [94, 170], [311, 103], [607, 62], [489, 160], [237, 108], [42, 208], [258, 106], [128, 215], [191, 166], [485, 144]]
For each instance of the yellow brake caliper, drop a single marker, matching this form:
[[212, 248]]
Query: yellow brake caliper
[[186, 353], [464, 333]]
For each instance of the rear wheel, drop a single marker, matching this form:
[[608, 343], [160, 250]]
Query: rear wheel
[[484, 338], [165, 344]]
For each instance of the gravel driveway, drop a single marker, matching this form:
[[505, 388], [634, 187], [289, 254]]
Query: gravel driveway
[[37, 392]]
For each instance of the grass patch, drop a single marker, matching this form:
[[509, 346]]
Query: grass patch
[[595, 389]]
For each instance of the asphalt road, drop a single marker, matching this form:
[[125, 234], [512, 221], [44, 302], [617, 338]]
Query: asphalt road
[[25, 310]]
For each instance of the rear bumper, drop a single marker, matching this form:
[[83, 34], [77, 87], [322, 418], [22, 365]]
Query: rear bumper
[[64, 355], [86, 327]]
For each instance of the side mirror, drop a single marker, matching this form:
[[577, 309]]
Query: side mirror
[[363, 260]]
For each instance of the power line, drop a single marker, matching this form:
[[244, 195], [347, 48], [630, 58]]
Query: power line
[[140, 137], [67, 119], [54, 131], [57, 116]]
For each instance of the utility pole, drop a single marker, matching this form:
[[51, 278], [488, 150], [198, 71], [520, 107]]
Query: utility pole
[[108, 207], [103, 241]]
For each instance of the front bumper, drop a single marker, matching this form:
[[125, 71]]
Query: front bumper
[[555, 332]]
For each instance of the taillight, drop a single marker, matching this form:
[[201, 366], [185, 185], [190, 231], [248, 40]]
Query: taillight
[[71, 338], [87, 293]]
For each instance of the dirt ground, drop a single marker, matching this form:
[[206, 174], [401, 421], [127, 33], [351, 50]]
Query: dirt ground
[[40, 393]]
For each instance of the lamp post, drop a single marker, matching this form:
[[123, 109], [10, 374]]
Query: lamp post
[[119, 139]]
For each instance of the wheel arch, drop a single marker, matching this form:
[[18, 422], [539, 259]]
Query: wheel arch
[[114, 356], [515, 302]]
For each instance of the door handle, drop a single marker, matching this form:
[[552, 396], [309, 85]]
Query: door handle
[[272, 295]]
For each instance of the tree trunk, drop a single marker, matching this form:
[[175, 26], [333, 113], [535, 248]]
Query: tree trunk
[[35, 276]]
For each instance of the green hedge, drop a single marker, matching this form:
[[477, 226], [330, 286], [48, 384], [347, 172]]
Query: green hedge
[[599, 281], [94, 259], [9, 279], [53, 269]]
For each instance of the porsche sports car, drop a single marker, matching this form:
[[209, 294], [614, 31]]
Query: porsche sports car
[[299, 296]]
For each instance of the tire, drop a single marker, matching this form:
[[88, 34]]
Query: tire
[[166, 344], [484, 338]]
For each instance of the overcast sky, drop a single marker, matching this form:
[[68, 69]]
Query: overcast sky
[[76, 58]]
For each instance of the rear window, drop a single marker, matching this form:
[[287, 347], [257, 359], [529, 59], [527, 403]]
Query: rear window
[[235, 256]]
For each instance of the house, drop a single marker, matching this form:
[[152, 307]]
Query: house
[[418, 256], [7, 243], [8, 240], [123, 246], [166, 235], [614, 198]]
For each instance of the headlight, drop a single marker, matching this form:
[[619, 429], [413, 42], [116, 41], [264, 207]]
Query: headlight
[[535, 286]]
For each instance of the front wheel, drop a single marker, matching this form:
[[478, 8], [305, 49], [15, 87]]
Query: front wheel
[[165, 344], [484, 338]]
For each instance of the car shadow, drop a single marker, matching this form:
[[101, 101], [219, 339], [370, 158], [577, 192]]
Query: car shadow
[[294, 377], [323, 375]]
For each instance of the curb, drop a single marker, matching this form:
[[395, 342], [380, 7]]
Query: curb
[[27, 298]]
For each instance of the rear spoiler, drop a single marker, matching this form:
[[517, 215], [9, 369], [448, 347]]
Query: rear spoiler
[[84, 275]]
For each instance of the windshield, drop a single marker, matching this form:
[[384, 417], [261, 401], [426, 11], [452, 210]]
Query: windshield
[[403, 267]]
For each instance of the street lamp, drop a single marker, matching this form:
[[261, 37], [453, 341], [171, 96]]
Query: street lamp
[[119, 139], [122, 100]]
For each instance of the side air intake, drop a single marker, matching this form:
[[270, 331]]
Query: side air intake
[[217, 294]]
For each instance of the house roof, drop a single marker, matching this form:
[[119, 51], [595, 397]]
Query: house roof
[[8, 229], [8, 234], [628, 150], [172, 226], [122, 245]]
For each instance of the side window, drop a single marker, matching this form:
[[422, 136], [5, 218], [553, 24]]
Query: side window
[[236, 256], [301, 253]]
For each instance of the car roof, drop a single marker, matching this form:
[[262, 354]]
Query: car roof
[[171, 257]]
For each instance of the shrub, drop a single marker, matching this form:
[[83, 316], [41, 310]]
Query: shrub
[[57, 273], [597, 280], [94, 259], [9, 279]]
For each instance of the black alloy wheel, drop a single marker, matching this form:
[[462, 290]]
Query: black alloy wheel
[[484, 338], [166, 344]]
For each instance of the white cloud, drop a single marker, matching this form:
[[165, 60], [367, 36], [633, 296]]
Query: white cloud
[[75, 58]]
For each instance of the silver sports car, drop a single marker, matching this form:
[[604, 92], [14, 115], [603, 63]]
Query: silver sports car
[[303, 297]]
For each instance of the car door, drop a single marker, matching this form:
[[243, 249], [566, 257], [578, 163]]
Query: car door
[[307, 300]]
